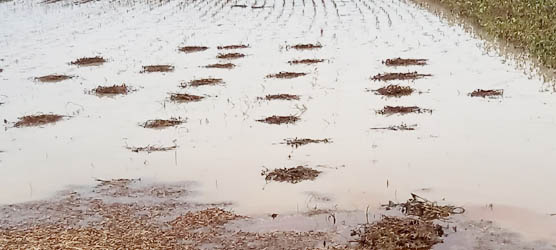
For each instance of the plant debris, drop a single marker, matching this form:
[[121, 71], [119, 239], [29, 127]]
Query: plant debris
[[202, 82], [112, 90], [37, 120], [230, 56], [177, 97], [401, 127], [287, 75], [296, 142], [221, 66], [53, 78], [280, 119], [191, 49], [157, 68], [491, 93], [292, 175], [394, 91], [87, 61], [211, 216], [404, 62], [149, 149], [390, 110], [306, 46], [287, 97], [306, 61], [399, 76], [161, 123], [237, 46], [425, 209]]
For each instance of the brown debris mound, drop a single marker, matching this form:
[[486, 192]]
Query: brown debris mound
[[157, 68], [286, 75], [37, 120], [191, 49], [390, 110], [204, 81], [221, 66], [230, 56], [161, 123], [53, 78], [306, 61], [292, 175], [176, 97], [149, 149], [492, 93], [85, 61], [392, 233], [399, 76], [280, 119], [288, 97], [112, 90], [306, 46], [394, 91], [404, 62], [237, 46], [425, 209], [296, 142], [401, 127]]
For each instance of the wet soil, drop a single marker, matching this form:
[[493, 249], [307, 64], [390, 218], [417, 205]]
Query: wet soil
[[177, 97], [398, 76], [404, 62], [286, 75], [37, 120], [157, 68], [287, 97], [394, 91], [161, 123], [53, 78], [230, 56], [306, 61], [221, 66], [280, 119], [191, 49], [112, 90], [402, 127], [491, 93], [390, 110], [236, 46], [89, 61], [296, 142], [306, 46], [150, 149], [292, 175], [202, 82]]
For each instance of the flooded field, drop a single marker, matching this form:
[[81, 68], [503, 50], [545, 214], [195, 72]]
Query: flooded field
[[223, 93]]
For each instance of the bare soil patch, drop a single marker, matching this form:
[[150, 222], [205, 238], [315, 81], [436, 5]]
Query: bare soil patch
[[191, 49], [286, 75], [221, 66], [230, 56], [157, 68], [292, 175], [280, 119], [390, 110], [287, 97], [89, 61], [161, 123], [394, 91], [306, 46], [202, 82], [149, 149], [306, 61], [404, 62], [236, 46], [53, 78], [296, 142], [399, 76], [402, 127], [37, 120], [491, 93], [112, 90], [177, 97]]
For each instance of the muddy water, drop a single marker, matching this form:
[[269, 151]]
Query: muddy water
[[471, 151]]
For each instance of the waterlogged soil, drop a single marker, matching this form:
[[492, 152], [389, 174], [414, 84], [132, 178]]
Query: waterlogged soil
[[394, 91], [277, 120], [157, 68], [230, 56], [204, 81], [112, 90], [37, 120], [287, 97], [53, 78], [390, 110], [487, 93], [306, 46], [291, 175], [221, 66], [161, 123], [286, 75], [237, 46], [183, 97], [404, 62], [306, 61], [89, 61], [399, 76], [191, 49]]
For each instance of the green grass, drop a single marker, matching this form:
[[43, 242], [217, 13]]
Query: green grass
[[527, 24]]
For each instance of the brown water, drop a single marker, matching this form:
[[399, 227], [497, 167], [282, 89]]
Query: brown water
[[471, 151]]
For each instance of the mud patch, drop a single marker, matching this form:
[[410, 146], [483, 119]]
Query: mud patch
[[292, 175], [230, 56], [149, 149], [177, 97], [280, 119], [287, 97], [402, 127], [161, 123], [286, 75], [202, 82], [306, 61], [390, 110], [157, 68], [404, 62], [394, 91], [221, 66], [490, 93], [296, 142], [112, 90], [306, 46], [37, 120], [399, 76], [53, 78], [237, 46], [89, 61], [191, 49]]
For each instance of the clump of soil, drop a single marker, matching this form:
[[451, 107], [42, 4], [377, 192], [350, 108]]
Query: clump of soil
[[230, 56], [161, 123], [306, 61], [404, 62], [390, 110], [237, 46], [280, 119], [296, 142], [53, 78], [287, 97], [204, 81], [86, 61], [401, 127], [487, 93], [157, 68], [176, 97], [37, 120], [149, 149], [306, 46], [221, 66], [286, 75], [393, 233], [292, 175], [112, 90], [426, 210], [399, 76], [394, 90], [191, 49]]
